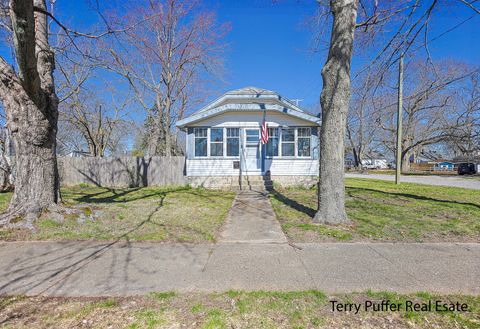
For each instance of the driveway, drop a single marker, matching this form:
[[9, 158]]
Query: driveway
[[470, 182]]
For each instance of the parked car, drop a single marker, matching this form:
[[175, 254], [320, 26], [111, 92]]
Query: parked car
[[467, 168]]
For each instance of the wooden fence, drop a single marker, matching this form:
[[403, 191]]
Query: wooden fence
[[122, 171]]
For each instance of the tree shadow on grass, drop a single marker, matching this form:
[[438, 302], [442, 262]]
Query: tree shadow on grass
[[134, 194], [293, 203], [124, 195], [54, 272], [351, 190]]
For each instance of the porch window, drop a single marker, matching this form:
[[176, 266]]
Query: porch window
[[288, 142], [272, 144], [200, 141], [303, 147], [233, 142], [216, 142]]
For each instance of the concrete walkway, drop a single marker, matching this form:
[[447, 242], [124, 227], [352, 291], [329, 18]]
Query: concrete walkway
[[252, 220], [101, 269], [470, 182]]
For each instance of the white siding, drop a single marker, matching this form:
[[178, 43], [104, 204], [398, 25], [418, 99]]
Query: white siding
[[224, 167], [211, 167], [289, 167]]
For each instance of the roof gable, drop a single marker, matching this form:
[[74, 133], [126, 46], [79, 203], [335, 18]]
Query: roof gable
[[248, 99]]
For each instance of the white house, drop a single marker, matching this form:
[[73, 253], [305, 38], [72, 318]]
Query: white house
[[223, 140], [375, 163]]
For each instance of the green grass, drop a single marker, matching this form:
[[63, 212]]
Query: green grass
[[173, 214], [234, 309], [383, 211]]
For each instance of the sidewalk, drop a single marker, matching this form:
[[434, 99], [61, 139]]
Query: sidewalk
[[100, 269], [252, 219]]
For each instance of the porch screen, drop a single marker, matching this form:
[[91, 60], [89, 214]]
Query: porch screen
[[200, 142], [288, 142], [303, 142], [216, 142], [233, 142], [272, 144]]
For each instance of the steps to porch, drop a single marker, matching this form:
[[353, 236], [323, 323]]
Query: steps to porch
[[245, 183]]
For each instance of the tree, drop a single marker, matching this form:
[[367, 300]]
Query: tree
[[362, 119], [85, 120], [175, 43], [429, 108], [6, 166], [410, 20], [466, 134], [31, 107], [335, 100]]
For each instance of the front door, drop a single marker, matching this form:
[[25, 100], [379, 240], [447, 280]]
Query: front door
[[253, 164]]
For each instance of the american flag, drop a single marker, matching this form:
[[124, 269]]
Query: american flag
[[264, 129]]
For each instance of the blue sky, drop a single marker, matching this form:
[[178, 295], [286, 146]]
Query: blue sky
[[268, 45]]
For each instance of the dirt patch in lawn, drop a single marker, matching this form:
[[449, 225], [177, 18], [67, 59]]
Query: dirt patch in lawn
[[233, 309]]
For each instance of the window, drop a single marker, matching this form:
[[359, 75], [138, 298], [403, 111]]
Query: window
[[272, 145], [253, 136], [200, 142], [288, 142], [233, 142], [303, 140], [216, 142]]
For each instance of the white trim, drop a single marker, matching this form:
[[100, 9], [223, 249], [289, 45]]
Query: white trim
[[286, 109]]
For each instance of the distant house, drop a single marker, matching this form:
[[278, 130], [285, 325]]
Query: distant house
[[375, 163], [444, 166], [374, 160], [224, 139]]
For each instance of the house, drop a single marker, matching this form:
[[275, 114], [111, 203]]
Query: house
[[223, 143], [444, 166], [371, 160], [375, 163]]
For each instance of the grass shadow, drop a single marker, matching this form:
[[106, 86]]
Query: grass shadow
[[119, 195], [351, 190], [293, 203]]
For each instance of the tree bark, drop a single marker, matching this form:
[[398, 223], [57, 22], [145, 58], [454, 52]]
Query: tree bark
[[335, 100], [406, 161], [31, 107]]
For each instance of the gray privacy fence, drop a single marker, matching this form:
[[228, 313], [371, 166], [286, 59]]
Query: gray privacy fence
[[122, 171]]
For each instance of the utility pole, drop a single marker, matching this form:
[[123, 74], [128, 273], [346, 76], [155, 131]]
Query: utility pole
[[398, 169]]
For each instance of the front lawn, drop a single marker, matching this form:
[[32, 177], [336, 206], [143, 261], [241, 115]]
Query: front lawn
[[233, 309], [176, 214], [382, 211]]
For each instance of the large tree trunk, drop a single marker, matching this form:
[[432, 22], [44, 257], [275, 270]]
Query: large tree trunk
[[405, 162], [31, 107], [335, 100], [168, 137]]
